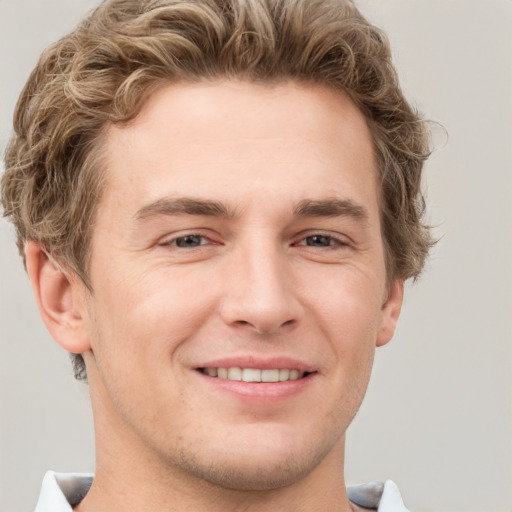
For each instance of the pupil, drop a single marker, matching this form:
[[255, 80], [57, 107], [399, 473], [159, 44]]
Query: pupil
[[318, 240], [189, 241]]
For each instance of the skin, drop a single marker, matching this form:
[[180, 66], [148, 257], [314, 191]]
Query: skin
[[288, 265]]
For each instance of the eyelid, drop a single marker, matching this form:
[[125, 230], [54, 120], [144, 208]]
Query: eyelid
[[341, 239], [170, 239]]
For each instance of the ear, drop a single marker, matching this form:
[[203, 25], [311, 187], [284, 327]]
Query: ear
[[60, 297], [390, 312]]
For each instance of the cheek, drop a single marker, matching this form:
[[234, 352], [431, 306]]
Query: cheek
[[349, 305], [349, 316], [149, 313], [352, 330]]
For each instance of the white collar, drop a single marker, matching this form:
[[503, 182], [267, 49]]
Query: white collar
[[385, 497], [61, 491]]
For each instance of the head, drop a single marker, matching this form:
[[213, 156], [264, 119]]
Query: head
[[212, 186], [103, 73]]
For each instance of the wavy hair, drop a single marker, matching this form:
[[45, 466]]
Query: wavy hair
[[103, 72]]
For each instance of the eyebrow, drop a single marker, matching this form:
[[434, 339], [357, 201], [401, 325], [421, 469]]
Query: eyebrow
[[306, 208], [184, 205], [331, 208]]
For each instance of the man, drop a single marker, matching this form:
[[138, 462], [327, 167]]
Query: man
[[218, 203]]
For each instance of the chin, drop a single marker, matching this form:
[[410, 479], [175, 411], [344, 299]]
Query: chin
[[250, 476], [256, 465]]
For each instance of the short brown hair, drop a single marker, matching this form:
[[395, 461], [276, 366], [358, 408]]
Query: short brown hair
[[104, 71]]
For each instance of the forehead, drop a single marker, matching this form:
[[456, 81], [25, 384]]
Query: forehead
[[269, 139]]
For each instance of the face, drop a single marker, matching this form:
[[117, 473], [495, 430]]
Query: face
[[238, 237]]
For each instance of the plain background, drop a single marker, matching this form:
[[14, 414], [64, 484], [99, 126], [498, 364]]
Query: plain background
[[438, 414]]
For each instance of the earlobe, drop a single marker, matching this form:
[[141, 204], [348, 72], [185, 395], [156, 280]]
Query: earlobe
[[390, 312], [57, 294]]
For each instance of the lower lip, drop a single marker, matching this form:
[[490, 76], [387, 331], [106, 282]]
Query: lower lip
[[263, 392]]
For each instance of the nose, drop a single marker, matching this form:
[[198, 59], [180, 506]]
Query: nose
[[260, 292]]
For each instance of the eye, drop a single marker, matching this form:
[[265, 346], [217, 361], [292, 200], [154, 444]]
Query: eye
[[320, 240], [188, 241]]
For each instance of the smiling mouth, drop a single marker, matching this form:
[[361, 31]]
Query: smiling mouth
[[254, 374]]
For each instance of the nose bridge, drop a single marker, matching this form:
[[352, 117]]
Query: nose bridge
[[260, 293]]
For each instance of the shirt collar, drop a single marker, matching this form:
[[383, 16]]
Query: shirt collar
[[383, 497], [61, 491]]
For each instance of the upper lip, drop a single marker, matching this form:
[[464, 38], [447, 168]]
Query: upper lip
[[261, 363]]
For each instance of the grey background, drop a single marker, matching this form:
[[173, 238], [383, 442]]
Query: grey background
[[438, 415]]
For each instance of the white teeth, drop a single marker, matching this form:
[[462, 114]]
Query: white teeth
[[294, 374], [284, 374], [251, 375], [254, 374], [269, 375], [235, 373]]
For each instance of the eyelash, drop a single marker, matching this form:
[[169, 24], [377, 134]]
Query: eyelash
[[332, 241], [175, 241]]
